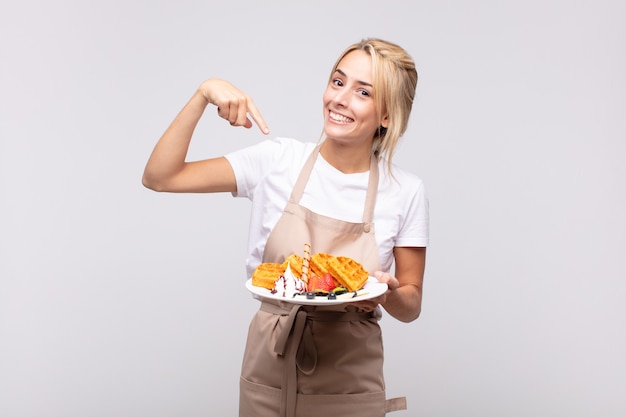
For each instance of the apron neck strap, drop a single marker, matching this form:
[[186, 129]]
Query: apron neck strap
[[372, 191], [372, 185]]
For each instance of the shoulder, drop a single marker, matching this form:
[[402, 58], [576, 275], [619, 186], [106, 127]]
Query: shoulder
[[292, 147], [406, 199], [400, 180], [271, 162], [273, 149]]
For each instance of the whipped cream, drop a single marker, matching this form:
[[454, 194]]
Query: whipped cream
[[287, 285]]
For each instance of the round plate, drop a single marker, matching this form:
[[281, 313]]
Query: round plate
[[372, 286]]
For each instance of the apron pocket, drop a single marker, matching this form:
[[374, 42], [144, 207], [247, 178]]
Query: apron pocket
[[257, 400], [371, 404]]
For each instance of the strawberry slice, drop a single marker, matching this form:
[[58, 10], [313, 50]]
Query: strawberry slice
[[325, 283], [328, 282], [313, 283]]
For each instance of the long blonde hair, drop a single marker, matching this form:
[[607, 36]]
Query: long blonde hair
[[394, 78]]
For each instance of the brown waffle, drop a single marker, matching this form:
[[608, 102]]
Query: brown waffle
[[295, 263], [266, 274], [319, 263], [348, 272]]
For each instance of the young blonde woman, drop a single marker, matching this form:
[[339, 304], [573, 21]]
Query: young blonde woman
[[343, 196]]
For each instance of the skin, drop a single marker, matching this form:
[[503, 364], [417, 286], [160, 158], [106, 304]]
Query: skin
[[350, 122]]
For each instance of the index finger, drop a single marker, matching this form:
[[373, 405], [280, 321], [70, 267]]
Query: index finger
[[258, 119]]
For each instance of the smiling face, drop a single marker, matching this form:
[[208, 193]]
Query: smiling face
[[350, 115]]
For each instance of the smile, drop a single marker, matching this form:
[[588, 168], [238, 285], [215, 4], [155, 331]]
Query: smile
[[339, 118]]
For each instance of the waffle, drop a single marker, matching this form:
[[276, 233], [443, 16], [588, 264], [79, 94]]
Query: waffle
[[348, 272], [266, 274], [319, 263], [295, 263]]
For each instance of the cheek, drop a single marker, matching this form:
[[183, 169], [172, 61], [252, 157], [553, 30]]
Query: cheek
[[373, 115], [365, 112], [327, 97]]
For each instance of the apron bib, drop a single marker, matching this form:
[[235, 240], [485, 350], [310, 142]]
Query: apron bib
[[309, 361]]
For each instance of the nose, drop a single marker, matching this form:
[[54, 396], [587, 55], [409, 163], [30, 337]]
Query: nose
[[341, 97]]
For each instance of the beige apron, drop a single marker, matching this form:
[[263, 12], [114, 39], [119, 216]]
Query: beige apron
[[311, 361]]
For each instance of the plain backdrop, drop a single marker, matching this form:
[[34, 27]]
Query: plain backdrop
[[119, 301]]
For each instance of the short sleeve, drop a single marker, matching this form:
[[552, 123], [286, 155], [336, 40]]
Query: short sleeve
[[250, 165], [414, 230]]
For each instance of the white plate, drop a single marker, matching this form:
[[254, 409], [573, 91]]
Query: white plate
[[373, 287]]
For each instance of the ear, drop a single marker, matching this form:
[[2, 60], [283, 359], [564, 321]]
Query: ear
[[384, 122]]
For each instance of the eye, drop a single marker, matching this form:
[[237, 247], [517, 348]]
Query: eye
[[337, 82], [364, 92]]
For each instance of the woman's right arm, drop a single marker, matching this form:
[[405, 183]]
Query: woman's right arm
[[167, 169]]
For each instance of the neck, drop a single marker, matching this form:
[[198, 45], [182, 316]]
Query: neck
[[346, 158]]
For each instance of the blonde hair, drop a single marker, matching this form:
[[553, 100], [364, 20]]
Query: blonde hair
[[394, 78]]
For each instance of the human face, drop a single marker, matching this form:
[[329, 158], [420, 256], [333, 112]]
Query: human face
[[350, 113]]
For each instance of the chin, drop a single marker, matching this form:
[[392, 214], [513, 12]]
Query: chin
[[336, 132]]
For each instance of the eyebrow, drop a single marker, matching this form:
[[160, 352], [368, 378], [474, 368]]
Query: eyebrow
[[358, 81]]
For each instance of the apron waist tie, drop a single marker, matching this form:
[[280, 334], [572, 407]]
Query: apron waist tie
[[295, 343]]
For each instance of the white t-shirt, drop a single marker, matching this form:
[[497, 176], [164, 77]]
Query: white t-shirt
[[267, 172]]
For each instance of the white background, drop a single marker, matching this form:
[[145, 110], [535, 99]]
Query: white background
[[118, 301]]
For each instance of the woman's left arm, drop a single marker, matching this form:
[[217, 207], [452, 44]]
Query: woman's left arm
[[403, 300]]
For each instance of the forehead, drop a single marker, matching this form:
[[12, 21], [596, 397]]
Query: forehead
[[357, 64]]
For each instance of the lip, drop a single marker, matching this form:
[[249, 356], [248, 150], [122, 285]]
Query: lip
[[346, 120]]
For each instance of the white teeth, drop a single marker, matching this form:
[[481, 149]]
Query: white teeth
[[340, 118]]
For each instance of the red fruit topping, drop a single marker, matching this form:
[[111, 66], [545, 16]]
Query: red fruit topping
[[328, 282], [313, 282], [325, 283]]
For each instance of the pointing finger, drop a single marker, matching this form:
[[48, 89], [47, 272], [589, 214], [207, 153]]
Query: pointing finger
[[258, 119]]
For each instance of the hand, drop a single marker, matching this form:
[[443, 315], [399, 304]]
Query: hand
[[392, 284], [232, 104]]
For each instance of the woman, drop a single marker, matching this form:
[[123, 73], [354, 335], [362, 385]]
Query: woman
[[308, 361]]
